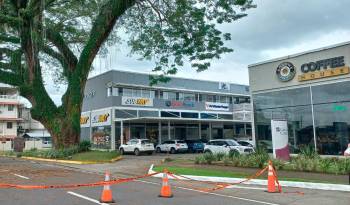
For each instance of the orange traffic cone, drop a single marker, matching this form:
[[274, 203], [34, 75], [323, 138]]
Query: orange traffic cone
[[106, 196], [271, 179], [165, 190]]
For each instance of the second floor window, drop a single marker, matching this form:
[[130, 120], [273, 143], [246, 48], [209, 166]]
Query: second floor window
[[128, 92], [9, 125], [10, 107]]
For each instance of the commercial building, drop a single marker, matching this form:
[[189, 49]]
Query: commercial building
[[311, 91], [120, 105]]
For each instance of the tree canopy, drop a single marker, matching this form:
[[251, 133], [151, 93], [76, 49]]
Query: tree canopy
[[64, 37]]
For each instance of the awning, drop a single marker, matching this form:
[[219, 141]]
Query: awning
[[37, 134]]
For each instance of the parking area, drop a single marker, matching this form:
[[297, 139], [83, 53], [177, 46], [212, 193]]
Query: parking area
[[139, 192]]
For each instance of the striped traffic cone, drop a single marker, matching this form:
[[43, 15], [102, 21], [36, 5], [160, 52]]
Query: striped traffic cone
[[165, 190], [271, 179], [106, 196]]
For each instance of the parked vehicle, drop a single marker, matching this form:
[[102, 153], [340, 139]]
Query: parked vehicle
[[137, 146], [195, 145], [226, 146], [245, 143], [172, 146]]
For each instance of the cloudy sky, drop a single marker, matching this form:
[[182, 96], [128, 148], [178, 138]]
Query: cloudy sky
[[275, 28]]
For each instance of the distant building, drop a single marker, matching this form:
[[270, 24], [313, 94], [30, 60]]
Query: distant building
[[15, 121], [120, 105]]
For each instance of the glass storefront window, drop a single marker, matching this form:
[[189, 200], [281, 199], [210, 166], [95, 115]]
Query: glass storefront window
[[332, 117], [101, 137], [189, 97], [291, 105]]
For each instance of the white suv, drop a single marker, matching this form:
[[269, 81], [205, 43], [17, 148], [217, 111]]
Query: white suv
[[172, 146], [137, 146], [226, 146]]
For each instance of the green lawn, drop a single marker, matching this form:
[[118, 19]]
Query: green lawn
[[96, 156], [220, 173]]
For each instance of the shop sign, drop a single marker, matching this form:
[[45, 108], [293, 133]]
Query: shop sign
[[285, 71], [85, 120], [176, 103], [217, 106], [323, 68], [224, 86], [339, 108], [279, 132], [324, 74], [100, 118], [137, 101]]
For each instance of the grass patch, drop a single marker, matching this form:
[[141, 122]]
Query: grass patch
[[96, 156], [221, 173]]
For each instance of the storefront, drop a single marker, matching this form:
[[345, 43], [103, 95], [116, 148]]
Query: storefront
[[311, 91], [119, 106]]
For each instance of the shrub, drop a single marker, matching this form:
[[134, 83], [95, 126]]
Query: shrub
[[219, 156], [278, 164], [84, 146], [261, 157], [208, 158], [199, 160], [308, 152]]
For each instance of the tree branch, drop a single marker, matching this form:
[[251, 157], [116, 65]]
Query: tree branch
[[69, 57], [101, 28], [9, 39], [10, 78], [12, 21]]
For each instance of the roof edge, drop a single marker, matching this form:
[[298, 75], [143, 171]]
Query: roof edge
[[300, 53]]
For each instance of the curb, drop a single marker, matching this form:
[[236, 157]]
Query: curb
[[305, 185], [71, 161]]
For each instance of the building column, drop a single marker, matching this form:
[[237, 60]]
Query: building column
[[169, 135], [113, 134], [121, 132], [245, 129], [159, 132], [210, 134], [200, 130]]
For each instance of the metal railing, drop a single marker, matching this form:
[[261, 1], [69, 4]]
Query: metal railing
[[12, 97], [242, 107]]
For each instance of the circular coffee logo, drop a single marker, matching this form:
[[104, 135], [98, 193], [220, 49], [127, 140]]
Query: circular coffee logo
[[285, 71]]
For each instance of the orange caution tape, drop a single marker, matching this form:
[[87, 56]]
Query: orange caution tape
[[100, 183]]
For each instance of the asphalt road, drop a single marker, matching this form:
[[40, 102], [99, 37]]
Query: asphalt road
[[142, 192]]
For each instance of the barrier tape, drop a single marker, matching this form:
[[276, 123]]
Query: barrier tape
[[100, 183], [218, 186]]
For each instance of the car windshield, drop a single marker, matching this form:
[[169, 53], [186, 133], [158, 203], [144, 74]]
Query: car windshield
[[145, 142], [180, 141], [232, 143]]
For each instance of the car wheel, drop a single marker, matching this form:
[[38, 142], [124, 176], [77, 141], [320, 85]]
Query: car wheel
[[121, 151], [137, 152], [207, 151], [158, 150], [172, 150]]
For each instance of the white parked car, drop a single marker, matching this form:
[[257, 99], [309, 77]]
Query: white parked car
[[226, 146], [137, 146], [172, 146]]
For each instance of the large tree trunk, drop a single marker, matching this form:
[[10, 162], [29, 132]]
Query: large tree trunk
[[66, 136]]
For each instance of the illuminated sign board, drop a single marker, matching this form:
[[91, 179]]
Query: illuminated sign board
[[137, 101], [217, 106], [323, 69]]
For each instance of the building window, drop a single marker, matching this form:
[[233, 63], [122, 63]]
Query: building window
[[9, 125], [128, 92], [10, 107], [109, 91], [210, 98], [169, 95], [189, 97], [189, 115], [180, 96], [224, 99]]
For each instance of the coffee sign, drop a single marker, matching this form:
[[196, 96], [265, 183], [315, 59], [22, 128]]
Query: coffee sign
[[137, 101], [85, 119], [101, 118]]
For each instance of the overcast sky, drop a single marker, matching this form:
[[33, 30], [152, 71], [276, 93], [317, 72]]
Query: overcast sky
[[275, 28]]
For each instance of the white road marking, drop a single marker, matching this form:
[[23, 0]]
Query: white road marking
[[23, 177], [214, 194], [86, 198], [4, 170]]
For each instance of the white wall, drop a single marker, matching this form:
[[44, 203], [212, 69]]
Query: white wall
[[5, 131], [5, 146], [5, 113], [33, 144]]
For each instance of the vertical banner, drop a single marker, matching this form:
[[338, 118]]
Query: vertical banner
[[279, 131]]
